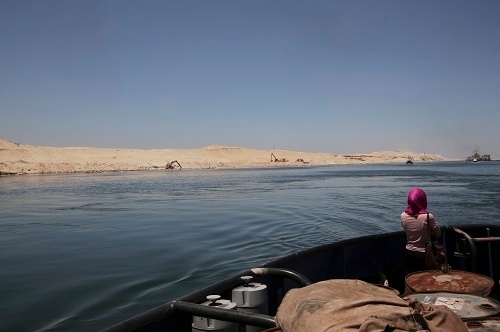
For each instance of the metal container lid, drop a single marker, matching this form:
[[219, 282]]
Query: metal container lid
[[453, 281], [464, 305], [489, 324]]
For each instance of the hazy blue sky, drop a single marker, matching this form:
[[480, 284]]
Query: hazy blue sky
[[313, 76]]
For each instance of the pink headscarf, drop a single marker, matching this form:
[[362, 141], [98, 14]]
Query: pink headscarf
[[417, 202]]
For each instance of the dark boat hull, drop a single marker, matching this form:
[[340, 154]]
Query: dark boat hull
[[372, 258]]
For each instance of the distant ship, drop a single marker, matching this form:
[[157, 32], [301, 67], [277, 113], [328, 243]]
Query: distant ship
[[475, 157]]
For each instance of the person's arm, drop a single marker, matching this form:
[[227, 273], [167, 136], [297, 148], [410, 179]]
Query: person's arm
[[436, 230]]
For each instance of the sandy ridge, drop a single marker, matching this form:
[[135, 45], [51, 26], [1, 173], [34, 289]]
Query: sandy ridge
[[18, 158]]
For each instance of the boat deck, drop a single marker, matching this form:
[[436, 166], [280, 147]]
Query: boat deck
[[375, 259]]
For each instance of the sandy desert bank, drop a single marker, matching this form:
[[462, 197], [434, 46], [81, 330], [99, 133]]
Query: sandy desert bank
[[19, 158]]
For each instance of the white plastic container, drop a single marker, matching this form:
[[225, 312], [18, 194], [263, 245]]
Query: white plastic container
[[208, 324], [252, 298]]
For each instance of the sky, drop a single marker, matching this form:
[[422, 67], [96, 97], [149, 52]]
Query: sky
[[346, 76]]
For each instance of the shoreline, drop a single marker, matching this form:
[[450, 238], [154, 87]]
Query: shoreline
[[20, 159]]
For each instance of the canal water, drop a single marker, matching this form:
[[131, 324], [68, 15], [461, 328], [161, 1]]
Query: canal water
[[81, 252]]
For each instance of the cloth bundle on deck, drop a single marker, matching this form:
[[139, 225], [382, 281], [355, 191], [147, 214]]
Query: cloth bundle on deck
[[354, 305]]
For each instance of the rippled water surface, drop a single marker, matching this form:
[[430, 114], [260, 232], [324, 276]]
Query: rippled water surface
[[85, 251]]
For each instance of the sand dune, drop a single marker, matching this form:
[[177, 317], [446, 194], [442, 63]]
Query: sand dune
[[18, 158]]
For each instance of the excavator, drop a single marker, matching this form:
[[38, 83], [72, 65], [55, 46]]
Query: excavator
[[173, 165]]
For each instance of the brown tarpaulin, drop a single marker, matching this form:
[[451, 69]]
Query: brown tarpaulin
[[354, 305]]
